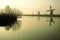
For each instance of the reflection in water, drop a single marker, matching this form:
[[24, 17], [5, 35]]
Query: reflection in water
[[51, 21], [38, 18], [31, 29], [14, 26]]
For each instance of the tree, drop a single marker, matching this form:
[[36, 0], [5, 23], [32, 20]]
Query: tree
[[7, 9]]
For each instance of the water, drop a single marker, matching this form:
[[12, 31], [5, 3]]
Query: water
[[32, 28]]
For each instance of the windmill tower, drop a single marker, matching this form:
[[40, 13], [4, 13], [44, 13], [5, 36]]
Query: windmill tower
[[38, 12], [51, 11]]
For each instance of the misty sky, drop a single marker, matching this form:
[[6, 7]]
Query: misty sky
[[32, 6]]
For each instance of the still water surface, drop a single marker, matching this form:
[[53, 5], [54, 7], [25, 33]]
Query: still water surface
[[32, 28]]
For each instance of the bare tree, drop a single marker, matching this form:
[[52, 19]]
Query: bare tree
[[7, 9]]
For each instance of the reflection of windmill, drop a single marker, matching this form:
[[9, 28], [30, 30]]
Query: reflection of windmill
[[38, 18], [38, 15], [51, 21], [51, 11]]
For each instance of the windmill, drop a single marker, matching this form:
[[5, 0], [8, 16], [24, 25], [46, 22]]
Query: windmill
[[51, 15], [51, 11]]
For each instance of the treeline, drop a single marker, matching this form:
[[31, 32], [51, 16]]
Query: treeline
[[9, 10]]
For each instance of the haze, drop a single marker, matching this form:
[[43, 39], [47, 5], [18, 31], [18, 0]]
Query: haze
[[32, 6]]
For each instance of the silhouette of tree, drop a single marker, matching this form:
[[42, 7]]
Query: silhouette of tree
[[8, 18], [1, 11], [10, 10], [7, 9]]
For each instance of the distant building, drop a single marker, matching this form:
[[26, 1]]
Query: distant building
[[38, 12]]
